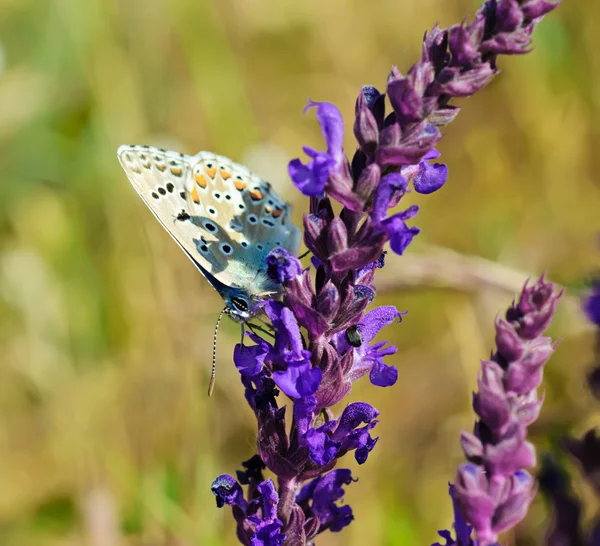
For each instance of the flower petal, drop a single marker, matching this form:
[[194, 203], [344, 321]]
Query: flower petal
[[332, 126], [376, 319], [299, 380], [430, 178], [383, 375]]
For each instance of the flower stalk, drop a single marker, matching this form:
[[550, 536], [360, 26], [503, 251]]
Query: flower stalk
[[493, 490], [323, 334]]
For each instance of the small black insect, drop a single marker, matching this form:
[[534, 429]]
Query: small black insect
[[183, 215], [353, 336]]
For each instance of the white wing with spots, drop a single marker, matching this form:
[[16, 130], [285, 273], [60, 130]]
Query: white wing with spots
[[225, 218]]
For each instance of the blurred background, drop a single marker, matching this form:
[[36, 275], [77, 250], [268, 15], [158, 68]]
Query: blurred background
[[106, 434]]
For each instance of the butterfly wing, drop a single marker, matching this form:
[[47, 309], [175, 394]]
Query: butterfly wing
[[243, 216], [225, 218]]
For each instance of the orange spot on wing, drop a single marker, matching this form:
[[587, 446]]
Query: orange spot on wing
[[161, 167], [277, 213], [256, 195], [200, 180], [176, 171], [194, 195], [268, 209], [211, 172], [225, 175], [239, 185]]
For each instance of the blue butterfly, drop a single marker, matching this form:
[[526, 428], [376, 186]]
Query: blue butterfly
[[224, 217]]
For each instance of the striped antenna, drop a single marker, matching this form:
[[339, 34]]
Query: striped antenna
[[213, 372]]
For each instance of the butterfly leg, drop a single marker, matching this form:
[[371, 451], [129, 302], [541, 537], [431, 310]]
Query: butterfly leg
[[257, 327], [267, 324]]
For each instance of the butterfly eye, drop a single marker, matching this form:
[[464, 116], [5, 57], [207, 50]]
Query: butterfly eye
[[240, 304]]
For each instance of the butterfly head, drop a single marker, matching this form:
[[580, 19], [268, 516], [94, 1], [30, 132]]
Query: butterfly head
[[240, 307]]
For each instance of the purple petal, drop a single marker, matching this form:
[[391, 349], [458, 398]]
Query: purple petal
[[430, 178], [383, 375], [591, 305], [400, 234], [376, 319], [282, 266], [304, 409], [288, 338], [321, 448], [361, 454], [462, 528], [389, 187], [432, 154], [227, 490], [332, 126], [249, 360], [310, 179], [355, 414], [269, 499], [299, 380]]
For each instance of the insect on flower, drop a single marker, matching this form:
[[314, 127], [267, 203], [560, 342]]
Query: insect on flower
[[224, 217]]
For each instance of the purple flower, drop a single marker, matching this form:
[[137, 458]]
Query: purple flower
[[282, 266], [591, 304], [369, 358], [249, 360], [228, 491], [298, 378], [335, 438], [258, 524], [493, 491], [401, 235], [428, 178], [268, 526], [492, 504], [319, 498], [321, 337], [311, 178], [390, 190]]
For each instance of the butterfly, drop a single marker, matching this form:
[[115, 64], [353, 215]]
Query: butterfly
[[224, 217]]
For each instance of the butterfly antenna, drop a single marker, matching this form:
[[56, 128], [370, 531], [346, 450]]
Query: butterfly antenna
[[213, 372]]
